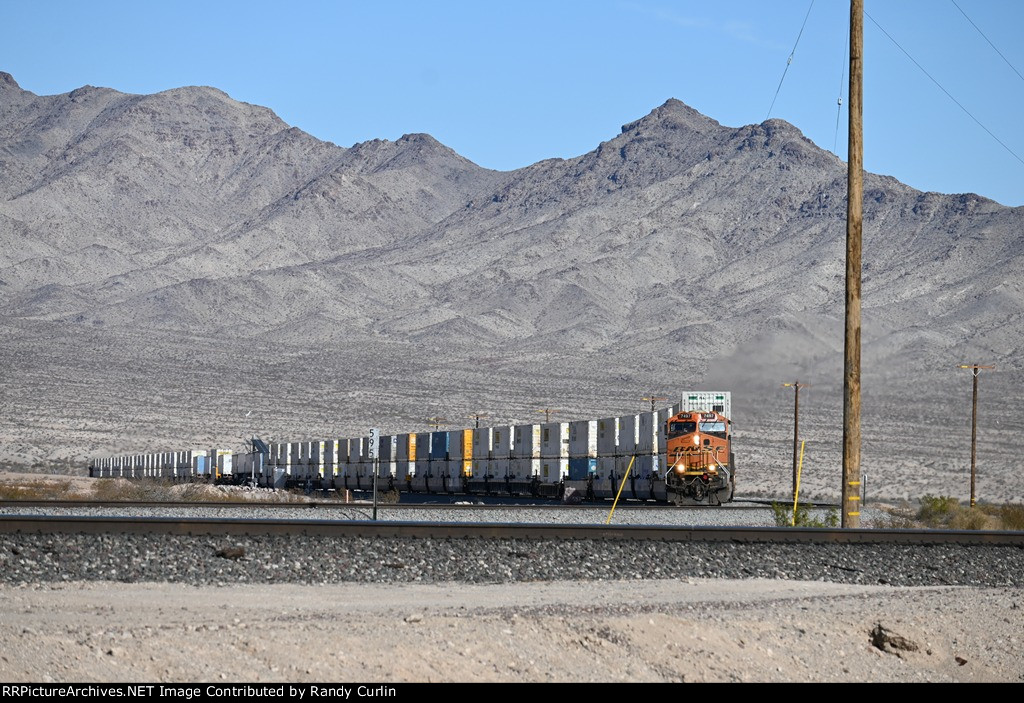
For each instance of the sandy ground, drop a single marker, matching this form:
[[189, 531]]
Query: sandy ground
[[564, 631], [596, 631]]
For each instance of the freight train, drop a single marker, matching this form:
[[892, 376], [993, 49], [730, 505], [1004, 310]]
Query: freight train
[[681, 454]]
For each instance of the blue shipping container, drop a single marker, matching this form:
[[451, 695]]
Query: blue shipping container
[[581, 467], [438, 445]]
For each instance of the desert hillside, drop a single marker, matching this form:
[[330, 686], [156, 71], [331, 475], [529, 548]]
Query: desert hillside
[[184, 270]]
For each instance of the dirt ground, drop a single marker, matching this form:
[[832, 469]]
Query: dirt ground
[[595, 631]]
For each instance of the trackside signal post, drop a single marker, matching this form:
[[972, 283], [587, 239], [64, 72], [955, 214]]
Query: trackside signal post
[[374, 459], [975, 369]]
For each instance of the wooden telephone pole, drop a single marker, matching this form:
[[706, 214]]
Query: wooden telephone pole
[[854, 221], [547, 413], [975, 369], [796, 426]]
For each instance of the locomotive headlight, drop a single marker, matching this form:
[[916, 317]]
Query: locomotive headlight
[[696, 439]]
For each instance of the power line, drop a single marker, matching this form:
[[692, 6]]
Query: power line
[[948, 94], [988, 40], [790, 60], [839, 108]]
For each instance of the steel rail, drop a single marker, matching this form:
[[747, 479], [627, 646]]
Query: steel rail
[[330, 504], [42, 524]]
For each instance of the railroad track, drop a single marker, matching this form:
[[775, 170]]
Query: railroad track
[[333, 505], [43, 524]]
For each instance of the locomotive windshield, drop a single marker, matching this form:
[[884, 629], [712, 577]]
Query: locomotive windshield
[[715, 428], [675, 429]]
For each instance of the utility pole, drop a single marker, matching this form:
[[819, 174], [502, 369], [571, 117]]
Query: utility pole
[[478, 416], [547, 413], [854, 225], [654, 398], [975, 370], [436, 422], [796, 426]]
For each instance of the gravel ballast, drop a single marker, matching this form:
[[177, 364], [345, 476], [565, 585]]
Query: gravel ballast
[[200, 560]]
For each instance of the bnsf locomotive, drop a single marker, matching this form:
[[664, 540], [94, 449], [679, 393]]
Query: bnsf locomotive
[[699, 459]]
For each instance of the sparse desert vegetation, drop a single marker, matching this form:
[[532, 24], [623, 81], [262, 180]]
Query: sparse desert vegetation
[[947, 512], [31, 487]]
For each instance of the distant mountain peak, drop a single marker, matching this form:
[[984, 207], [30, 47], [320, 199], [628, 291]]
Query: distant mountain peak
[[88, 91], [7, 81], [198, 90], [673, 114], [419, 138]]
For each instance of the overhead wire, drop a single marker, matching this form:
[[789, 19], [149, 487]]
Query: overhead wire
[[948, 94], [839, 108], [790, 60], [988, 40]]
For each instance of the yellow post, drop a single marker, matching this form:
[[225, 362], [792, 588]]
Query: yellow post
[[796, 491], [616, 501]]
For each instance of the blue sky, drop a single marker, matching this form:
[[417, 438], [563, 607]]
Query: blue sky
[[507, 84]]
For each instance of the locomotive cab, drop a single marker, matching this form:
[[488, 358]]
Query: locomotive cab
[[699, 459]]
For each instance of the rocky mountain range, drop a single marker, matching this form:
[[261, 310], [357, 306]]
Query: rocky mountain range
[[182, 269]]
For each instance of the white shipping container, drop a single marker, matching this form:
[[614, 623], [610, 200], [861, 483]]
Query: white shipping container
[[224, 462], [627, 451], [554, 440], [608, 436], [582, 439], [501, 451], [527, 441], [553, 470], [482, 443], [355, 448], [522, 468], [644, 466], [501, 442], [646, 435], [707, 401]]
